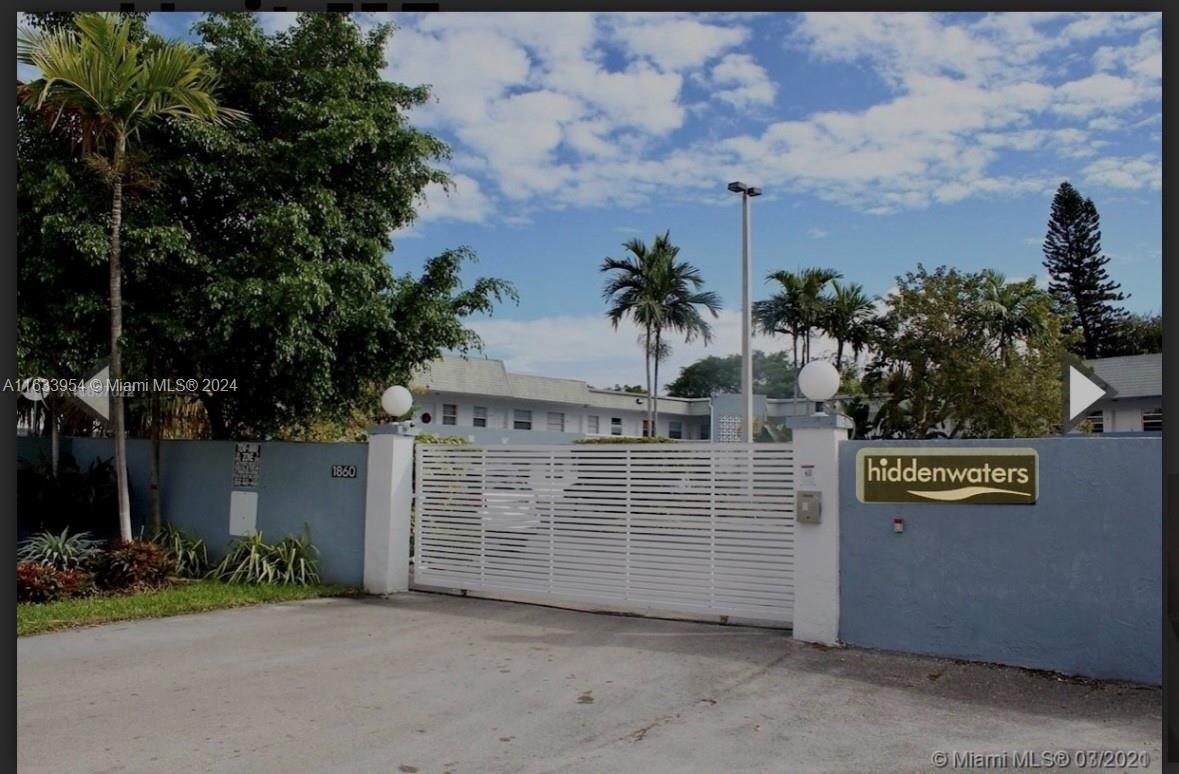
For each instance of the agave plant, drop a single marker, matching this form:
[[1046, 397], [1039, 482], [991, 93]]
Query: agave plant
[[188, 551], [250, 559], [296, 558], [62, 551]]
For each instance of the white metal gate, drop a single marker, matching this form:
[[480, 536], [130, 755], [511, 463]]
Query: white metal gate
[[698, 529]]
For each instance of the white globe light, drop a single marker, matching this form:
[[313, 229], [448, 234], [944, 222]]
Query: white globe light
[[397, 401], [818, 380]]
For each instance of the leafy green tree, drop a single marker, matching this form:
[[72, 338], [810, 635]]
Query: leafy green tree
[[940, 373], [1080, 281], [285, 288], [1139, 334], [112, 87], [773, 376], [255, 252]]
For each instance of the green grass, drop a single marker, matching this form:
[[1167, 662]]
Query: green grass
[[184, 597]]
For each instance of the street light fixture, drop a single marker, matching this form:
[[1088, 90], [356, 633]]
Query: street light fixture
[[747, 193]]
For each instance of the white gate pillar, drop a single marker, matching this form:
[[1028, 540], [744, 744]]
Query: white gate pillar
[[816, 441], [387, 501]]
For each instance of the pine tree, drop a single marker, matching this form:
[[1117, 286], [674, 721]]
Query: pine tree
[[1080, 283]]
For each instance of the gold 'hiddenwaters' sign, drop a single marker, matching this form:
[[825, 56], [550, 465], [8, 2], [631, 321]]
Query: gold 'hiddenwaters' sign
[[930, 475]]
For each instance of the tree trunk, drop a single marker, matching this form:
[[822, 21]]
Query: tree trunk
[[655, 391], [218, 430], [153, 480], [839, 355], [650, 396], [794, 348], [54, 434], [116, 366]]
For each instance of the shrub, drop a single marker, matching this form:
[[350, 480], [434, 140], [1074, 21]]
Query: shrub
[[445, 440], [61, 551], [81, 499], [188, 551], [290, 562], [37, 582], [133, 565]]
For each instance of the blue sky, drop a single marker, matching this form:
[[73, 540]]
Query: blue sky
[[881, 140]]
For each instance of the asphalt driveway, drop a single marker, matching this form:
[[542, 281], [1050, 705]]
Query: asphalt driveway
[[432, 683]]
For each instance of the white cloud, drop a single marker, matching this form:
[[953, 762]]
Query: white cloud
[[740, 81], [464, 202], [1143, 172], [676, 43], [552, 111], [816, 233]]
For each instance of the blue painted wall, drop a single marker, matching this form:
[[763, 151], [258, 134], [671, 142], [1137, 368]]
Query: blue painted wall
[[1071, 584], [295, 488]]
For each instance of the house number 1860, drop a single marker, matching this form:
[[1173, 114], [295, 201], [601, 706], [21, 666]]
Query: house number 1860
[[343, 471]]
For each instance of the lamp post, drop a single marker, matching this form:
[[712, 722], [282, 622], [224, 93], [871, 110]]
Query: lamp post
[[747, 193], [397, 401], [819, 381]]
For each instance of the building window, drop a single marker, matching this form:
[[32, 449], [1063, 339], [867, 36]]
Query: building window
[[675, 429], [1152, 420], [1097, 420], [615, 425], [646, 428], [522, 420], [556, 421], [480, 418], [449, 414], [591, 425], [705, 430]]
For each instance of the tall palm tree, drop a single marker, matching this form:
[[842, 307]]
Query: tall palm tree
[[1011, 310], [629, 293], [679, 297], [111, 87], [797, 309], [781, 312], [814, 303], [659, 294], [848, 314]]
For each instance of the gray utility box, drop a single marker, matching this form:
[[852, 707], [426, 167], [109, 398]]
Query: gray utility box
[[808, 507]]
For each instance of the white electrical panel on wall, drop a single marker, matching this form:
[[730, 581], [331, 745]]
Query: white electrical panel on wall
[[243, 513]]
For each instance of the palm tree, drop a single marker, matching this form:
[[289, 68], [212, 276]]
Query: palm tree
[[795, 310], [679, 296], [781, 312], [849, 314], [629, 293], [1011, 310], [658, 293], [111, 87], [814, 303]]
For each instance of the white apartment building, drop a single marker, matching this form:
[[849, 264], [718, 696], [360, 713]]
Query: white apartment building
[[480, 399], [1138, 405]]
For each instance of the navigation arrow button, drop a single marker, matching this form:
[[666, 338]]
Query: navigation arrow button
[[1082, 388], [96, 401]]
